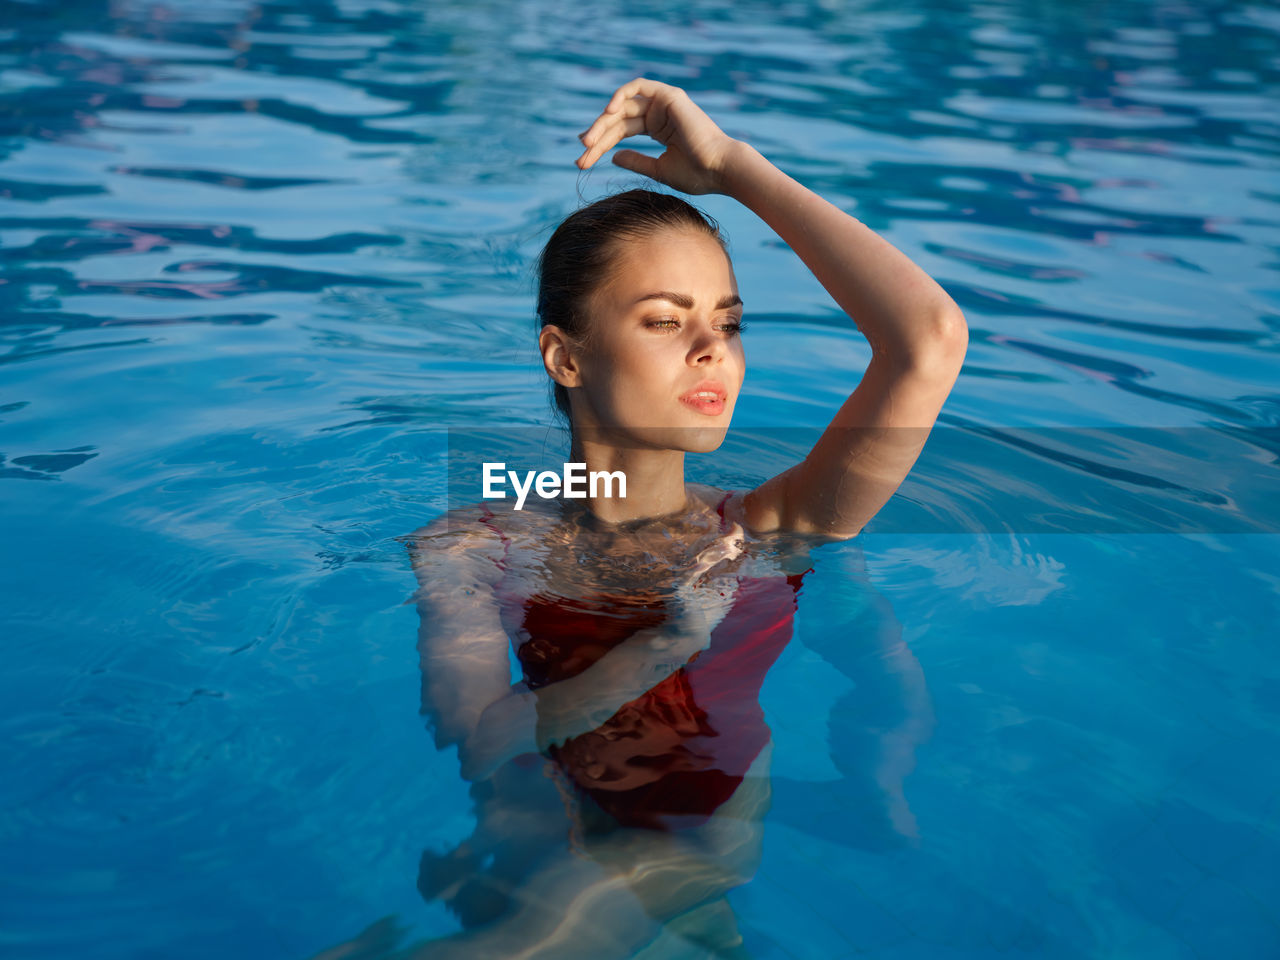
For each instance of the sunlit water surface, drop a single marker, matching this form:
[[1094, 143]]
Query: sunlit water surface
[[257, 258]]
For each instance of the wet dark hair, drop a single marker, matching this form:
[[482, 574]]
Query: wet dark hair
[[578, 258]]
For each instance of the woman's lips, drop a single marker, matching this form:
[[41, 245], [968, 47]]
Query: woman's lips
[[708, 398], [711, 406]]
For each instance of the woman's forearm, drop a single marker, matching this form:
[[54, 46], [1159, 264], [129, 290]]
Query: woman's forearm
[[583, 702], [900, 309], [525, 720], [630, 669]]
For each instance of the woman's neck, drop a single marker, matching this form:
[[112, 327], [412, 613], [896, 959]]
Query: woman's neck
[[655, 480]]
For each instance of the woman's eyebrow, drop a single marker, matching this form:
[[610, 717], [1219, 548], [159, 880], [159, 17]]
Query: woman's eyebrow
[[686, 302]]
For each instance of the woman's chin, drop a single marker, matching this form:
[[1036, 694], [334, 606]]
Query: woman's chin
[[699, 438], [703, 439]]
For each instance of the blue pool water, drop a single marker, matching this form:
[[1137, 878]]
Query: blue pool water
[[259, 257]]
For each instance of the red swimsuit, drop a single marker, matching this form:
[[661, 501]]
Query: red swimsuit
[[681, 749]]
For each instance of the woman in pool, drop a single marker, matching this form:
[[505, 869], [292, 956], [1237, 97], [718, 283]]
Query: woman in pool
[[644, 626]]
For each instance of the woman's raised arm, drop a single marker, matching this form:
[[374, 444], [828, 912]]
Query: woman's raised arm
[[918, 339], [917, 334]]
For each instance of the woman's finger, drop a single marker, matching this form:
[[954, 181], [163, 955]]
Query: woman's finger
[[637, 163], [601, 129], [635, 107], [609, 138], [640, 85]]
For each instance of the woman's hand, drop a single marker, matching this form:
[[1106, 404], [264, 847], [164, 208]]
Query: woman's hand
[[697, 150], [703, 597], [506, 729]]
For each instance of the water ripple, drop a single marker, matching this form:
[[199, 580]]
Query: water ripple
[[1033, 123]]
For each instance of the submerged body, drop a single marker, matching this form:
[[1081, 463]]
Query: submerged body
[[627, 771], [675, 753]]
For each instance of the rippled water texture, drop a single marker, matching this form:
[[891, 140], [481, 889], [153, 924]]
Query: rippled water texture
[[255, 259]]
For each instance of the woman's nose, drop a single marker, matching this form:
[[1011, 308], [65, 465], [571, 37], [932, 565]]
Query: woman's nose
[[707, 345]]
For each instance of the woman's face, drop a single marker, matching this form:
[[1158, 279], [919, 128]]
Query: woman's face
[[665, 363]]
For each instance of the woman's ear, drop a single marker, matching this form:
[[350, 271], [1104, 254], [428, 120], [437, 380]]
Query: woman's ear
[[559, 356]]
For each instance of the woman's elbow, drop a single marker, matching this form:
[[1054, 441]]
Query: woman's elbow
[[953, 333], [942, 351]]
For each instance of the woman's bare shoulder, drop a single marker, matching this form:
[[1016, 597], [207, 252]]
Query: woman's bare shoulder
[[471, 531], [705, 495], [727, 502], [453, 542], [458, 522]]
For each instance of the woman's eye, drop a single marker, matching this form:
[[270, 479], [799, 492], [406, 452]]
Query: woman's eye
[[732, 327]]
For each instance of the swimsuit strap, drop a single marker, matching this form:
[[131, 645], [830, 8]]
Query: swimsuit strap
[[720, 510], [487, 520]]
